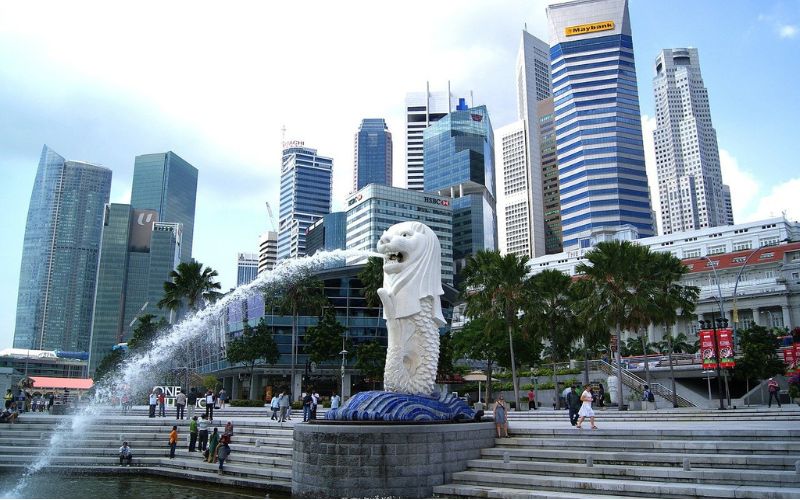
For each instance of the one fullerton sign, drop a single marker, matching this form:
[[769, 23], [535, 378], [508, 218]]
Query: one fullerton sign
[[582, 29]]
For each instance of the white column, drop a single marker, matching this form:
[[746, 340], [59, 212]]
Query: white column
[[787, 319]]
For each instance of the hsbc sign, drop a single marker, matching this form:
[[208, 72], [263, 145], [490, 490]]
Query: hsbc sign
[[437, 201]]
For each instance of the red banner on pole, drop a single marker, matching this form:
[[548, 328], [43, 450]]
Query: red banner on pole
[[707, 351], [725, 343]]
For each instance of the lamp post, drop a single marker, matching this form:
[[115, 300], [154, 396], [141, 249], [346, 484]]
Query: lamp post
[[713, 325], [344, 358], [721, 312]]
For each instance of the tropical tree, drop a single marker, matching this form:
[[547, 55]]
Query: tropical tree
[[482, 337], [759, 359], [254, 344], [109, 365], [494, 284], [325, 340], [303, 293], [445, 365], [371, 277], [371, 361], [145, 331], [190, 282], [550, 306]]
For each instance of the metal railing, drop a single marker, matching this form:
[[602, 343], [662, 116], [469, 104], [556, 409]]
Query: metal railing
[[635, 382]]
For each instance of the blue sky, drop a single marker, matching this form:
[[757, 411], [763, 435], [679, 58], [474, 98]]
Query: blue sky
[[106, 81]]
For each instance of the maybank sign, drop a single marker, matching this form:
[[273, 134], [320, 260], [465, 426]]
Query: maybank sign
[[583, 29]]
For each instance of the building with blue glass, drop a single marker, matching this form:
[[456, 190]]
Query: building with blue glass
[[373, 148], [601, 169], [246, 268], [328, 233], [167, 183], [60, 254], [305, 196], [459, 163]]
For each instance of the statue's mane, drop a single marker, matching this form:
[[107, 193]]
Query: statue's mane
[[421, 279]]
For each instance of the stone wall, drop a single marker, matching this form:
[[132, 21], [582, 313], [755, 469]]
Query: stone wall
[[382, 460]]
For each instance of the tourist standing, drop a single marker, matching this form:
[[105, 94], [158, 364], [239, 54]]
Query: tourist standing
[[306, 397], [162, 404], [532, 399], [173, 441], [202, 432], [221, 398], [573, 405], [193, 433], [125, 454], [275, 406], [335, 401], [153, 402], [180, 404], [564, 394], [284, 405], [210, 405], [213, 442], [191, 402], [601, 394], [773, 388], [315, 399], [586, 407], [501, 416]]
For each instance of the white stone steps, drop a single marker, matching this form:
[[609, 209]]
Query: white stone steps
[[650, 445], [752, 477], [637, 488], [665, 434], [480, 491]]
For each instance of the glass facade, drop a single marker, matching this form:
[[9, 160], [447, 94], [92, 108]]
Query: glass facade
[[306, 183], [167, 183], [372, 210], [549, 159], [597, 124], [60, 254], [373, 163], [246, 268], [459, 162], [328, 233]]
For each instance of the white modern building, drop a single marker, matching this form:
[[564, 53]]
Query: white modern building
[[601, 168], [422, 109], [374, 208], [246, 268], [267, 251], [687, 156]]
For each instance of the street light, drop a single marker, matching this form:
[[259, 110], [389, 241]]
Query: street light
[[344, 358], [713, 324]]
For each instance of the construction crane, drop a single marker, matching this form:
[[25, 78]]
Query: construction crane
[[272, 218]]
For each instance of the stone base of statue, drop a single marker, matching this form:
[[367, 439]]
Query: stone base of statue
[[395, 407]]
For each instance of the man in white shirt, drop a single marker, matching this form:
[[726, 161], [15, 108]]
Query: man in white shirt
[[335, 401], [152, 402], [210, 405]]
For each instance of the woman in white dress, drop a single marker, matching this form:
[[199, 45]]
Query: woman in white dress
[[586, 407]]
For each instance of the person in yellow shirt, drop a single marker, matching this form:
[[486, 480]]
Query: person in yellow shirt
[[173, 441]]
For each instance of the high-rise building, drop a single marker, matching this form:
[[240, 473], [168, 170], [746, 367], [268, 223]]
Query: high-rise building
[[375, 208], [550, 191], [459, 163], [138, 254], [267, 251], [520, 199], [166, 183], [687, 156], [601, 170], [373, 154], [422, 109], [60, 254], [306, 183], [726, 194], [246, 268], [327, 234]]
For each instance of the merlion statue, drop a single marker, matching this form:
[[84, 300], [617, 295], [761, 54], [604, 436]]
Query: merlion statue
[[412, 284]]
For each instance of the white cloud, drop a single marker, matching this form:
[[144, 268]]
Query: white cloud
[[744, 186], [787, 31], [781, 199], [648, 126]]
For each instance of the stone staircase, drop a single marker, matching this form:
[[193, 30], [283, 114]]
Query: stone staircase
[[728, 461], [261, 450], [612, 414]]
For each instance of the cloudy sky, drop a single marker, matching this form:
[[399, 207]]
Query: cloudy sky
[[106, 81]]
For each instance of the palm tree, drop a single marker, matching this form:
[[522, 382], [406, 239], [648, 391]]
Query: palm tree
[[192, 282], [494, 284], [550, 305]]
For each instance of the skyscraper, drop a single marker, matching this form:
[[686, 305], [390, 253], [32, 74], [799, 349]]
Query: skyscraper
[[60, 254], [601, 170], [459, 163], [267, 251], [246, 268], [726, 194], [687, 156], [550, 191], [166, 183], [373, 154], [422, 109], [306, 183]]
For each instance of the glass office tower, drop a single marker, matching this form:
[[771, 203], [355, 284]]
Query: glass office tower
[[601, 170], [373, 148], [60, 254], [167, 183], [459, 163], [306, 183]]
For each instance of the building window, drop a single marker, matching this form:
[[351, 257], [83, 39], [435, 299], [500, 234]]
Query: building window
[[716, 250], [742, 245], [691, 254]]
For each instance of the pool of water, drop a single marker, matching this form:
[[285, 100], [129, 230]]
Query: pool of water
[[124, 485]]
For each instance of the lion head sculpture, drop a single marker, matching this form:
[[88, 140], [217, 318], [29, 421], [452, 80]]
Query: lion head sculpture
[[412, 268]]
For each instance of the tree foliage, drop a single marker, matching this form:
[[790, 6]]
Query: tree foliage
[[324, 341], [190, 282], [145, 331], [371, 278], [254, 344], [759, 355], [371, 360], [109, 365]]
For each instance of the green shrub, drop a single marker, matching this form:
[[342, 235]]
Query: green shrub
[[297, 405], [249, 403]]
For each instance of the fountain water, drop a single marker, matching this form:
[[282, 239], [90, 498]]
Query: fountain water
[[141, 369]]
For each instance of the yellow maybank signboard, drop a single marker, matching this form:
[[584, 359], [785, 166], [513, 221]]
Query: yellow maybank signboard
[[583, 29]]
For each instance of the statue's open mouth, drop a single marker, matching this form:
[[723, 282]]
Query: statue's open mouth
[[398, 257]]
